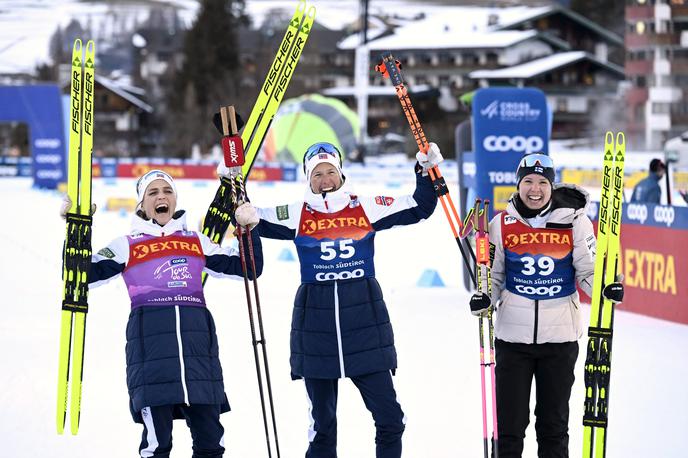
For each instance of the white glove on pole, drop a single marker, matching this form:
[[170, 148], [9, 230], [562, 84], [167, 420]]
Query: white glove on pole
[[430, 159], [223, 170], [246, 215], [67, 205], [227, 172]]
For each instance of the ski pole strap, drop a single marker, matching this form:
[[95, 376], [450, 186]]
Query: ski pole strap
[[440, 186]]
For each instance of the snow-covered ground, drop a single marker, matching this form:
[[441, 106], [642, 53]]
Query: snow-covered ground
[[437, 382]]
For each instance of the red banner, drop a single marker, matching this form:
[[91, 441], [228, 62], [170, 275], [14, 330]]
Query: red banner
[[654, 262], [175, 171], [200, 171]]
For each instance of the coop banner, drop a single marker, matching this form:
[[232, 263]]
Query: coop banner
[[507, 123]]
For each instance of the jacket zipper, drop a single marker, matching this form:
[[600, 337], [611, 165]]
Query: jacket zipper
[[339, 331], [181, 355], [537, 304]]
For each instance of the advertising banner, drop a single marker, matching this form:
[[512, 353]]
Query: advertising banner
[[40, 107], [507, 123], [654, 260]]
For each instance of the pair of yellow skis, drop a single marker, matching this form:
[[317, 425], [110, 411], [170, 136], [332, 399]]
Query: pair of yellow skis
[[599, 351], [217, 218], [77, 251]]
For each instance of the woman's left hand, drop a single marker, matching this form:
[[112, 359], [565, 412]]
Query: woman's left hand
[[429, 159]]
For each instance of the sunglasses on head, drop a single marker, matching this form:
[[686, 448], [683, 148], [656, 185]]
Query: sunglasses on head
[[321, 148], [532, 160]]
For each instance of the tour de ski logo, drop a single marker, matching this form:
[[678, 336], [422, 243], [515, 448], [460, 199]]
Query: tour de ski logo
[[177, 271]]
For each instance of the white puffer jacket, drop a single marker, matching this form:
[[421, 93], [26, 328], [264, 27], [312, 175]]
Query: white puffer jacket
[[523, 320]]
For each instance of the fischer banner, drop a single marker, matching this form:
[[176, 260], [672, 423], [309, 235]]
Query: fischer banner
[[507, 123]]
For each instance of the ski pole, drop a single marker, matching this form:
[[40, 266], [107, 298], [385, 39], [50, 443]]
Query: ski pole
[[234, 159], [484, 285], [391, 68]]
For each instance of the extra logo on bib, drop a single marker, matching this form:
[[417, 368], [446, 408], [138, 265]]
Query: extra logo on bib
[[538, 262], [335, 246]]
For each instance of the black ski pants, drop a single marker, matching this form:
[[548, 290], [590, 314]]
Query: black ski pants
[[552, 366], [380, 399], [202, 419]]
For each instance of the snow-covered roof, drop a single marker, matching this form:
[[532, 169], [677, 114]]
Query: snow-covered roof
[[455, 28], [470, 27], [120, 91], [542, 65]]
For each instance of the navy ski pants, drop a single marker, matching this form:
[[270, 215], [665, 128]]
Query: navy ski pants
[[202, 419], [552, 366], [380, 399]]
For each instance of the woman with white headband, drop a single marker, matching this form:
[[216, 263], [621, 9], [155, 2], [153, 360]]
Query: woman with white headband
[[173, 368]]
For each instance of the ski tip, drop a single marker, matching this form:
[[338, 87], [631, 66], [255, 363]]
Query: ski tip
[[300, 8], [620, 139], [77, 45], [91, 46], [311, 13], [609, 137]]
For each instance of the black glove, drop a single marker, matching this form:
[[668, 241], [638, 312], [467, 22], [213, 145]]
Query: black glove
[[480, 302], [614, 292]]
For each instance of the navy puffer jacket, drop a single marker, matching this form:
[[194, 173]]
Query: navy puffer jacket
[[366, 331], [154, 366]]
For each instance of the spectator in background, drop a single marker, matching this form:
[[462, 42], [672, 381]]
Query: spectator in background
[[647, 190]]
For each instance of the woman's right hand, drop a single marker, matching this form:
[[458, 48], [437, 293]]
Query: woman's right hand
[[246, 215]]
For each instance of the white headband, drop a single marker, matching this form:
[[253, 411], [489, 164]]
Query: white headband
[[313, 162], [150, 177]]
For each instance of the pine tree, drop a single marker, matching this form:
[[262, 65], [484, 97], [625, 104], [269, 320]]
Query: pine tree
[[208, 78]]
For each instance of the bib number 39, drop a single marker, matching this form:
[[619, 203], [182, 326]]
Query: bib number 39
[[545, 265], [330, 250]]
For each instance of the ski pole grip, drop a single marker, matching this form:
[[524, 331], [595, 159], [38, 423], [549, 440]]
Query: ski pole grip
[[232, 146], [482, 249], [233, 150]]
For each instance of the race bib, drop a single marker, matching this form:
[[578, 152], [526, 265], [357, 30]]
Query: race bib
[[335, 246], [538, 261]]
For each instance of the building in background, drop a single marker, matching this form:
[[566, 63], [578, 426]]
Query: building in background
[[657, 68], [455, 50]]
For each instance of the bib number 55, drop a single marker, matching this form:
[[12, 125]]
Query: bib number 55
[[331, 249]]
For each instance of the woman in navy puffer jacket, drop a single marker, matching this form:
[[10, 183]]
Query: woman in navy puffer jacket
[[173, 368]]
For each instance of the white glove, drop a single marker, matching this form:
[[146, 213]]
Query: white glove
[[227, 172], [430, 159], [246, 215], [67, 205]]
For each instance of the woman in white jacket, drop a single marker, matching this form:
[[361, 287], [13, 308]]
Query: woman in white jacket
[[543, 245]]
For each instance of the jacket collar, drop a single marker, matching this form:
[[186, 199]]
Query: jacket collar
[[568, 202], [330, 202]]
